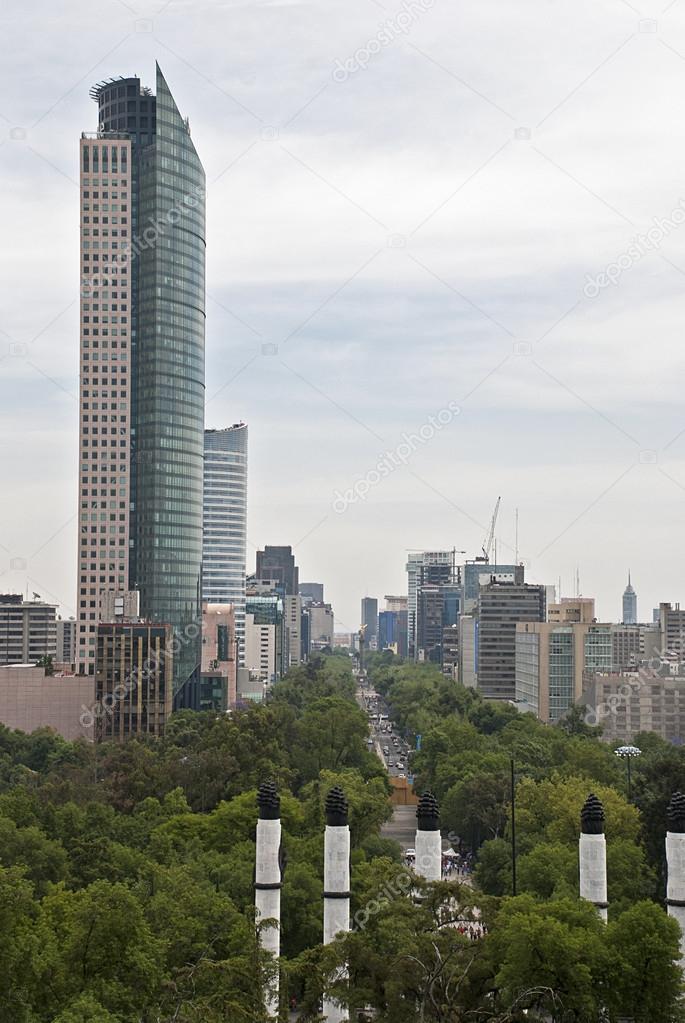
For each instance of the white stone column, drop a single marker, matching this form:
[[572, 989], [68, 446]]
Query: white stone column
[[336, 886], [268, 885], [428, 844], [593, 856], [675, 859]]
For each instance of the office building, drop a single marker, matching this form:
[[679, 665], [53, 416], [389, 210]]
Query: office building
[[672, 627], [468, 650], [321, 627], [395, 603], [28, 629], [30, 699], [553, 660], [429, 623], [633, 644], [388, 628], [424, 568], [625, 704], [267, 640], [65, 642], [277, 564], [369, 619], [450, 650], [133, 679], [142, 375], [572, 609], [480, 572], [501, 605], [217, 687], [629, 605], [260, 648], [311, 592], [224, 536], [292, 611], [438, 611], [402, 629]]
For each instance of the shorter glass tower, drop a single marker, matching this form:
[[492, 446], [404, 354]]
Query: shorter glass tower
[[224, 542]]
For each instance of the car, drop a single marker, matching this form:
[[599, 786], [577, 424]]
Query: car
[[391, 762], [400, 766]]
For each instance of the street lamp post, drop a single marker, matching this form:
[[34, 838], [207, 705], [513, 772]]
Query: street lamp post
[[628, 753], [513, 829]]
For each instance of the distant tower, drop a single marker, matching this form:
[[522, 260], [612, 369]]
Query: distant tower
[[268, 884], [593, 856], [675, 859], [629, 604], [224, 538], [336, 886], [428, 862]]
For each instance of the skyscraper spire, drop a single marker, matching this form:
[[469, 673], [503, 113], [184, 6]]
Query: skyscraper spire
[[629, 604]]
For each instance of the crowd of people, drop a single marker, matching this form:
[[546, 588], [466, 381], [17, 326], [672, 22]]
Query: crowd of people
[[459, 864]]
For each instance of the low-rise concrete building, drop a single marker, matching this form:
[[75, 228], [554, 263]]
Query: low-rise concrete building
[[30, 699]]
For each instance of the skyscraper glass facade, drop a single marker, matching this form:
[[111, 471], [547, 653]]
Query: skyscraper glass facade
[[160, 176]]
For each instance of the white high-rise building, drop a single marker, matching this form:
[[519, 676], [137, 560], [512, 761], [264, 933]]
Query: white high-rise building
[[224, 539]]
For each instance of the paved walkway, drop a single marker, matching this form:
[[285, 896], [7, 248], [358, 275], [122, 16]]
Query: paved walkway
[[402, 826]]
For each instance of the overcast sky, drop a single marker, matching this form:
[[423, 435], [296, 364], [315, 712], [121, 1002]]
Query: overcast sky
[[402, 221]]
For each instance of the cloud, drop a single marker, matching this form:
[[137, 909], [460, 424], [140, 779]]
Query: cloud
[[418, 233]]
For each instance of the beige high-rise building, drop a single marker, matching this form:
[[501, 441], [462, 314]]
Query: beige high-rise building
[[572, 609], [292, 616], [260, 648], [105, 380], [219, 657], [552, 661]]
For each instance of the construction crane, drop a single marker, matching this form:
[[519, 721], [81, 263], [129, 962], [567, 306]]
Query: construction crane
[[487, 546]]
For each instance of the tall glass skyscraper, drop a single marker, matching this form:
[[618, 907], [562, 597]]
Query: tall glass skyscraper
[[142, 365], [224, 543]]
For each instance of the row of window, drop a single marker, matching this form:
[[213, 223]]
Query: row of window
[[98, 182], [103, 157]]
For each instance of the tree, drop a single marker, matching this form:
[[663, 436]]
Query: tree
[[102, 946], [645, 943]]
